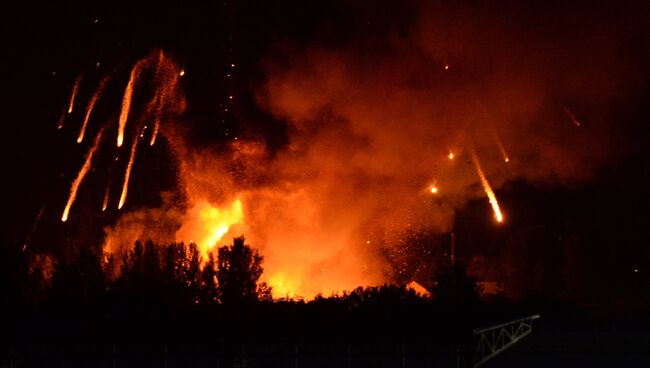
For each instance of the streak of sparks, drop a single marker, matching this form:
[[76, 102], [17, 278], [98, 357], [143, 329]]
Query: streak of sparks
[[89, 110], [82, 174], [502, 148], [571, 116], [73, 95], [106, 195], [126, 104], [156, 124], [127, 174], [488, 189], [62, 119], [31, 232]]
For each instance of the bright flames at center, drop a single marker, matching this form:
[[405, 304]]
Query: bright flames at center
[[210, 224]]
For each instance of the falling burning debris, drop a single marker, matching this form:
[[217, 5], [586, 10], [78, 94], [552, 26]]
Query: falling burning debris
[[31, 232], [126, 104], [106, 196], [488, 189], [107, 191], [127, 174], [89, 110], [571, 116], [82, 174], [61, 119], [502, 148], [73, 95]]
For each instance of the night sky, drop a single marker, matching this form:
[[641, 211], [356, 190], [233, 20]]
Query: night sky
[[600, 199]]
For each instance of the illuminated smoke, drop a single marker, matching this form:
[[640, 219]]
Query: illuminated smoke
[[488, 189], [89, 109], [367, 126], [126, 104], [127, 174], [82, 174]]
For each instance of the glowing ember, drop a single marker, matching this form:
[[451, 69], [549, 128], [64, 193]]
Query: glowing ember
[[450, 155], [80, 177], [434, 189], [488, 189]]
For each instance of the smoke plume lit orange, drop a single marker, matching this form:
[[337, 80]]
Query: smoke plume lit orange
[[369, 122]]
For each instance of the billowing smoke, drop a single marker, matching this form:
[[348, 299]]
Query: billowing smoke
[[378, 120]]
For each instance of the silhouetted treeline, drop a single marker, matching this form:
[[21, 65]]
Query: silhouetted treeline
[[154, 289]]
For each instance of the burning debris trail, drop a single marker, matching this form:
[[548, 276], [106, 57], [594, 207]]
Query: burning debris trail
[[156, 124], [126, 104], [127, 174], [75, 89], [502, 148], [89, 110], [571, 116], [108, 185], [488, 189], [82, 174], [106, 195], [31, 232]]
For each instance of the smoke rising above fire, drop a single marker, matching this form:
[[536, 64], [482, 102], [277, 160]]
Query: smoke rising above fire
[[377, 121]]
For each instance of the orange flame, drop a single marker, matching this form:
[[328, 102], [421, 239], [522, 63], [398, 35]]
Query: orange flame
[[208, 224]]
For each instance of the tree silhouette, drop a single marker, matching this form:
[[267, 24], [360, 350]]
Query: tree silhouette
[[454, 286], [239, 267]]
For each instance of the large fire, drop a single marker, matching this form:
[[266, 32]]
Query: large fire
[[206, 225], [364, 132]]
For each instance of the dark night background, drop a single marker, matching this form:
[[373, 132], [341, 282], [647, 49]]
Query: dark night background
[[45, 46]]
